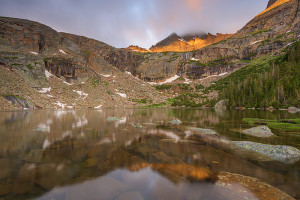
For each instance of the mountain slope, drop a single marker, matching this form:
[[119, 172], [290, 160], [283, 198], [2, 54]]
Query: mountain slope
[[41, 68], [185, 43]]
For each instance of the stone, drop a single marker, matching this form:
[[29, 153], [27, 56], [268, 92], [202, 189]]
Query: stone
[[203, 131], [260, 131], [175, 122], [25, 180], [50, 175], [293, 110], [131, 196], [5, 167], [281, 153], [221, 105]]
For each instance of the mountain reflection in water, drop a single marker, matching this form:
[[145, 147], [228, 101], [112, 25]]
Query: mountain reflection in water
[[139, 155]]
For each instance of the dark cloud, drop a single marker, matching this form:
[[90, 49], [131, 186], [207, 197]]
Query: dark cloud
[[138, 22]]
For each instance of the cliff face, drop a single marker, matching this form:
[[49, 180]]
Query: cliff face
[[186, 43], [41, 68], [271, 2], [267, 33]]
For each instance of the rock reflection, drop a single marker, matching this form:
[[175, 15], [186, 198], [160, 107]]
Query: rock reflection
[[79, 155]]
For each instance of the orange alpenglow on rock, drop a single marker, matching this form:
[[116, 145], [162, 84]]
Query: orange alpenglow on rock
[[274, 5]]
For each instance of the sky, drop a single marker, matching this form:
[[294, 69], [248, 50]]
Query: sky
[[121, 23]]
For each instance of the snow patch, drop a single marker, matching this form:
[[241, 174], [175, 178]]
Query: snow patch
[[97, 107], [195, 59], [62, 105], [106, 75], [122, 95], [187, 81], [48, 74], [67, 83], [256, 42], [45, 90], [288, 31], [34, 53], [182, 40], [290, 43], [62, 51], [80, 93], [169, 80], [223, 74], [49, 95]]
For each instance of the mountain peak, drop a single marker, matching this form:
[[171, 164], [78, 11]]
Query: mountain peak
[[271, 2]]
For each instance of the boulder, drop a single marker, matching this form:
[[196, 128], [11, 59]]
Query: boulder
[[293, 110], [281, 153], [204, 131], [260, 131], [175, 122], [221, 105]]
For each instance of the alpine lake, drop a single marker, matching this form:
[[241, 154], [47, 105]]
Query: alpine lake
[[132, 154]]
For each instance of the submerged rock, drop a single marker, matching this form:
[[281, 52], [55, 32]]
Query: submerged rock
[[281, 153], [111, 119], [176, 122], [260, 131], [138, 125], [205, 131]]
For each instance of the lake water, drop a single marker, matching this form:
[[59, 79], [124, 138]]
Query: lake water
[[138, 154]]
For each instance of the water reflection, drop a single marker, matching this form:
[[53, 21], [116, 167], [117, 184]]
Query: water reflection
[[81, 155]]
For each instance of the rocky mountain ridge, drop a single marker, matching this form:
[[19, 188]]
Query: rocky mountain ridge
[[189, 42]]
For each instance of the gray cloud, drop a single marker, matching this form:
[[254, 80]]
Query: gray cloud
[[121, 23]]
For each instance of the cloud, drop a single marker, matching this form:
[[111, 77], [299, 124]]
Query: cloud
[[121, 23]]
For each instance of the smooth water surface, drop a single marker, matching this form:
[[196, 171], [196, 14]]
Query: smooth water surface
[[138, 154]]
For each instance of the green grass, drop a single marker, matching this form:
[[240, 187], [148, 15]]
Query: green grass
[[163, 87], [260, 31], [285, 124], [142, 101], [29, 66]]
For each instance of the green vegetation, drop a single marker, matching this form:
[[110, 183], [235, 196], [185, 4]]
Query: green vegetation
[[154, 105], [199, 87], [12, 95], [260, 31], [185, 87], [275, 82], [163, 87], [94, 81], [285, 124], [142, 101], [29, 66]]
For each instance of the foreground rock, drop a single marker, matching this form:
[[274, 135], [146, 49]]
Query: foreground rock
[[203, 131], [260, 131], [281, 153], [236, 186], [175, 122]]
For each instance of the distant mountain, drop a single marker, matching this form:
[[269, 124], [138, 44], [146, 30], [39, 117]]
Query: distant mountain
[[188, 42], [137, 48], [271, 2]]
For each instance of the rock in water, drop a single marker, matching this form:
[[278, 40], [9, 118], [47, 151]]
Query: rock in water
[[205, 131], [176, 122], [260, 131], [281, 153], [221, 105]]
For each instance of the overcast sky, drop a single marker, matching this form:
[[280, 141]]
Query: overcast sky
[[121, 23]]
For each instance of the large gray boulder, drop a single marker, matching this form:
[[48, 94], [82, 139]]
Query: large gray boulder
[[221, 105], [260, 131], [281, 153]]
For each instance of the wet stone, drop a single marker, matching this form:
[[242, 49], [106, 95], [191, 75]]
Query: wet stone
[[25, 180], [260, 131], [5, 167], [205, 131], [281, 153], [176, 122]]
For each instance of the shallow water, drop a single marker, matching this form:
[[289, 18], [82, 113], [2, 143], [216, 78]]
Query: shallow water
[[81, 155]]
